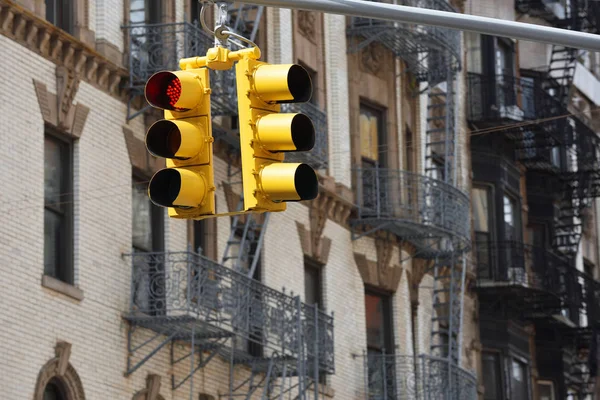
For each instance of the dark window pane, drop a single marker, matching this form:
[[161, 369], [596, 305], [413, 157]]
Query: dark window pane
[[312, 285], [58, 205], [142, 218], [379, 322], [491, 377], [545, 391], [60, 14], [52, 243], [200, 237], [519, 380], [54, 174], [481, 211], [53, 392]]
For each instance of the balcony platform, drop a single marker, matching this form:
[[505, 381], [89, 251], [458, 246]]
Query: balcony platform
[[184, 297], [432, 215], [428, 50]]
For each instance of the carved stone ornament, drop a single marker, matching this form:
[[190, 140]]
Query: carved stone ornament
[[380, 273], [307, 24], [139, 156], [151, 391], [49, 41], [58, 109], [59, 368], [372, 58]]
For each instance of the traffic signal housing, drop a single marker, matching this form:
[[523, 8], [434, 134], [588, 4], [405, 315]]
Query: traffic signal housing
[[184, 138], [266, 134]]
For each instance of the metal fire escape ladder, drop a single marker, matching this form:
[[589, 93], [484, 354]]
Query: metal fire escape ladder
[[247, 234], [245, 19], [440, 133], [448, 284]]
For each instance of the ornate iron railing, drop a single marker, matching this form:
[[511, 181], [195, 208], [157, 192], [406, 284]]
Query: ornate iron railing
[[157, 47], [494, 97], [171, 286], [580, 15], [513, 263], [319, 155], [411, 42], [397, 377], [418, 206]]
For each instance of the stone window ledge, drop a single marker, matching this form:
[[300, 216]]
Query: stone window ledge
[[62, 287]]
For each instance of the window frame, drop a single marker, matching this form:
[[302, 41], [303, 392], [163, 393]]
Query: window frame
[[65, 266], [317, 268], [69, 10], [382, 134], [156, 217], [388, 319]]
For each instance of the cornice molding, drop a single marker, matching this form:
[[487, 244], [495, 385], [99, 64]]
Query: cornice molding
[[52, 43]]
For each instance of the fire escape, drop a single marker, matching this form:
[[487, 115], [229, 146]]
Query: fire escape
[[561, 154], [429, 211], [202, 310]]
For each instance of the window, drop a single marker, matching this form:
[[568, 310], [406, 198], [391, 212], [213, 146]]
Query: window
[[373, 141], [58, 209], [373, 148], [200, 236], [145, 11], [54, 391], [409, 150], [545, 390], [510, 218], [492, 377], [482, 220], [379, 323], [147, 224], [312, 284], [60, 13], [519, 387], [379, 339]]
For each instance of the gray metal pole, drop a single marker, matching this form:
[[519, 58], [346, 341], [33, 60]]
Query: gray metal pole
[[463, 22]]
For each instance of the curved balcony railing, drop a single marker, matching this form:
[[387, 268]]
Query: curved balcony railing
[[410, 42], [319, 155], [512, 263], [394, 377], [157, 47], [413, 206], [173, 290]]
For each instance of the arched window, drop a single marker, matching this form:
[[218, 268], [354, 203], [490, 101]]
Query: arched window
[[54, 391]]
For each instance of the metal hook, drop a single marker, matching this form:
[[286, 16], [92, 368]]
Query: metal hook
[[221, 33]]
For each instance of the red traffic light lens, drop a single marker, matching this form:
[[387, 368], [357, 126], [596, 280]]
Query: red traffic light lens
[[163, 90]]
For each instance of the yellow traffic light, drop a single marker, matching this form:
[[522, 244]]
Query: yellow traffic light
[[184, 138], [266, 134]]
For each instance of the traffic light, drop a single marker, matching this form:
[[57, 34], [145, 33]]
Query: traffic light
[[184, 138], [266, 134]]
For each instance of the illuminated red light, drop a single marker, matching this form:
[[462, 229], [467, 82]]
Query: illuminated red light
[[174, 91], [163, 90]]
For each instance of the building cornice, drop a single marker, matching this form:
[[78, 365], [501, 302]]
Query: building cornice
[[52, 43]]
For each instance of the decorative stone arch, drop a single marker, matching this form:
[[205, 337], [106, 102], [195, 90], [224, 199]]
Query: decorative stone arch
[[60, 369]]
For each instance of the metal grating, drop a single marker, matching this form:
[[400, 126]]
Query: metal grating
[[400, 377], [417, 208]]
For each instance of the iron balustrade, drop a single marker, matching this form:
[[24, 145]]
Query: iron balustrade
[[493, 98], [317, 157], [411, 42], [414, 206], [581, 15], [170, 289], [157, 47], [512, 263], [401, 377]]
